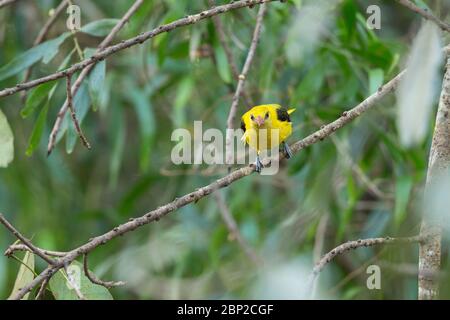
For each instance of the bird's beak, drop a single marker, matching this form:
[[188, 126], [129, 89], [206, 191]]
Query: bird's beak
[[259, 121]]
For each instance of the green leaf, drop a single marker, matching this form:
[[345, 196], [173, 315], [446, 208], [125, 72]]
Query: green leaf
[[118, 132], [46, 51], [81, 103], [35, 97], [38, 94], [62, 289], [222, 64], [194, 43], [6, 142], [105, 94], [99, 28], [38, 129], [25, 275], [403, 188], [311, 83], [53, 47], [144, 112], [376, 77], [161, 44], [96, 83], [184, 92]]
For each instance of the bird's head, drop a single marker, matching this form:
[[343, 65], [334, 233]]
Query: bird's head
[[260, 118]]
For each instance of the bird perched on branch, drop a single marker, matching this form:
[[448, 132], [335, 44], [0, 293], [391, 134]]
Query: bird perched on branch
[[266, 126]]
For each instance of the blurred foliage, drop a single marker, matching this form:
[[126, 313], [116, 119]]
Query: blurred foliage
[[131, 103]]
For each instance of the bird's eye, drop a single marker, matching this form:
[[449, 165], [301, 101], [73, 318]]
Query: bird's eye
[[267, 115], [252, 117]]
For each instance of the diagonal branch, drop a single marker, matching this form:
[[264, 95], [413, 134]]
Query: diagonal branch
[[41, 290], [240, 84], [426, 14], [125, 44], [73, 114], [108, 39], [25, 241], [50, 22], [352, 245]]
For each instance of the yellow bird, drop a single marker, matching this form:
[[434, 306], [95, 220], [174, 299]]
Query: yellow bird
[[269, 117]]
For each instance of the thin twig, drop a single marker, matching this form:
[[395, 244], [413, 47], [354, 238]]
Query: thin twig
[[42, 288], [24, 240], [125, 44], [50, 22], [228, 53], [73, 114], [233, 228], [108, 39], [223, 182], [21, 247], [21, 262], [241, 81], [351, 245], [426, 14], [94, 279]]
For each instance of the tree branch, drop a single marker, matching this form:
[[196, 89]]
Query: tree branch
[[240, 84], [438, 165], [426, 14], [24, 240], [94, 279], [108, 51], [42, 288], [200, 193], [352, 245], [73, 114], [21, 247]]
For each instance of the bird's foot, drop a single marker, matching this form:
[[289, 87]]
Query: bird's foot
[[287, 151], [258, 165]]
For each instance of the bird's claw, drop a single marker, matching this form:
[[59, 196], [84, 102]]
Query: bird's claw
[[287, 151], [258, 165]]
